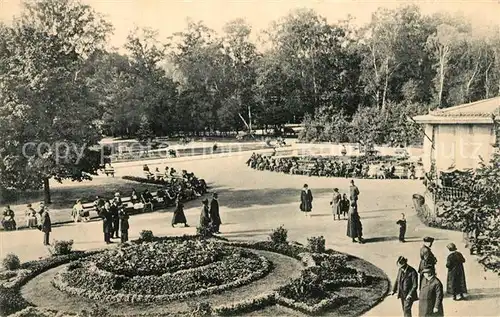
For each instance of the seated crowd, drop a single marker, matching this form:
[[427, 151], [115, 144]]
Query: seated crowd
[[171, 188], [332, 167]]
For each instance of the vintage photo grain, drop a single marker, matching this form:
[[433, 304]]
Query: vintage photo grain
[[249, 158]]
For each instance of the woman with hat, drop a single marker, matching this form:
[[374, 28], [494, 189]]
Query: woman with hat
[[427, 258], [205, 215], [431, 294], [306, 199], [179, 216], [455, 283]]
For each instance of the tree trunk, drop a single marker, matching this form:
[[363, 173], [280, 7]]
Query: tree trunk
[[46, 191], [487, 82], [386, 84]]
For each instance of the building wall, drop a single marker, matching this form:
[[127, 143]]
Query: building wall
[[458, 145]]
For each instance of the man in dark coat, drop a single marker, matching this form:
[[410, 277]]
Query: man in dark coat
[[306, 199], [107, 219], [406, 285], [124, 226], [431, 295], [427, 258], [115, 219], [99, 204], [354, 192], [214, 213], [455, 284], [45, 224]]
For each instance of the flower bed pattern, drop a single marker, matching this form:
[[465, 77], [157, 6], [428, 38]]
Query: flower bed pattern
[[190, 268]]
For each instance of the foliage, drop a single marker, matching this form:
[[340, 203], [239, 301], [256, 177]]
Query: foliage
[[11, 262], [146, 236], [205, 231], [201, 310], [316, 244], [61, 247], [11, 301], [279, 235]]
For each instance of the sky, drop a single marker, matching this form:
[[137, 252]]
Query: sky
[[169, 16]]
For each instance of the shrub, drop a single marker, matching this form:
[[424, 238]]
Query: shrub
[[201, 310], [11, 301], [316, 244], [61, 247], [146, 236], [204, 232], [11, 262], [95, 311], [279, 235]]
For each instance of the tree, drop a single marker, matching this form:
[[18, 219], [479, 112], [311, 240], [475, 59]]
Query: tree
[[49, 107]]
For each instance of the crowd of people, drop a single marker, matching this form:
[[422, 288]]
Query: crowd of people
[[408, 280], [335, 167]]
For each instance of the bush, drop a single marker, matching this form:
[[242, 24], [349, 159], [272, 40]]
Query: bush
[[146, 236], [95, 311], [11, 262], [204, 232], [11, 301], [201, 310], [316, 244], [279, 235], [61, 247]]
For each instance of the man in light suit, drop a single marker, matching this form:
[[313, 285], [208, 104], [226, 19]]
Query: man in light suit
[[405, 285]]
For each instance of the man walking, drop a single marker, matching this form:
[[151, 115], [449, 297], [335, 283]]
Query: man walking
[[354, 192], [427, 258], [214, 213], [405, 285], [431, 294]]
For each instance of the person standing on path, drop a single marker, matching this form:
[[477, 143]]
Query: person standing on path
[[427, 258], [335, 203], [431, 295], [205, 215], [107, 220], [124, 225], [354, 226], [306, 199], [344, 205], [179, 216], [406, 285], [115, 219], [45, 225], [402, 228], [455, 282], [214, 213], [354, 193]]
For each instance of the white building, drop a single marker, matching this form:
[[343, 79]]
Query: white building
[[457, 138]]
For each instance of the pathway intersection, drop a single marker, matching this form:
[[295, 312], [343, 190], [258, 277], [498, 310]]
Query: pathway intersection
[[255, 202]]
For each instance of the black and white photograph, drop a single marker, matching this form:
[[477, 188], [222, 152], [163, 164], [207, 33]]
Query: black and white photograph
[[199, 158]]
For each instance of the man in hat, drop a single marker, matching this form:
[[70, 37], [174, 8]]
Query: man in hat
[[455, 282], [214, 213], [405, 285], [335, 203], [427, 258], [354, 192], [205, 214], [431, 294]]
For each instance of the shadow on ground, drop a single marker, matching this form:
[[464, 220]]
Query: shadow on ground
[[243, 198], [483, 293]]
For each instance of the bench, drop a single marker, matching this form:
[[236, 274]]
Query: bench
[[109, 171]]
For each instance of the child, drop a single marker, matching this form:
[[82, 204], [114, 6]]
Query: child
[[402, 228], [345, 203], [124, 226]]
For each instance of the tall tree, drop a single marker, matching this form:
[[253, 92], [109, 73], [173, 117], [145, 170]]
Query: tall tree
[[49, 108]]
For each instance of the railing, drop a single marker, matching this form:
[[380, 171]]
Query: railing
[[450, 194]]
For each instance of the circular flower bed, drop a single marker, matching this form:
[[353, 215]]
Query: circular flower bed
[[161, 271]]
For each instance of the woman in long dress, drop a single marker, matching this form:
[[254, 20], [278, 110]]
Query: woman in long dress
[[205, 215], [456, 284], [354, 227], [335, 203], [306, 199], [179, 216]]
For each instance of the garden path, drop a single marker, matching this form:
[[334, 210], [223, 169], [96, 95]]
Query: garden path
[[254, 202]]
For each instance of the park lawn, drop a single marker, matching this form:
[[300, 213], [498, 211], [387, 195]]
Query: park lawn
[[65, 195]]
